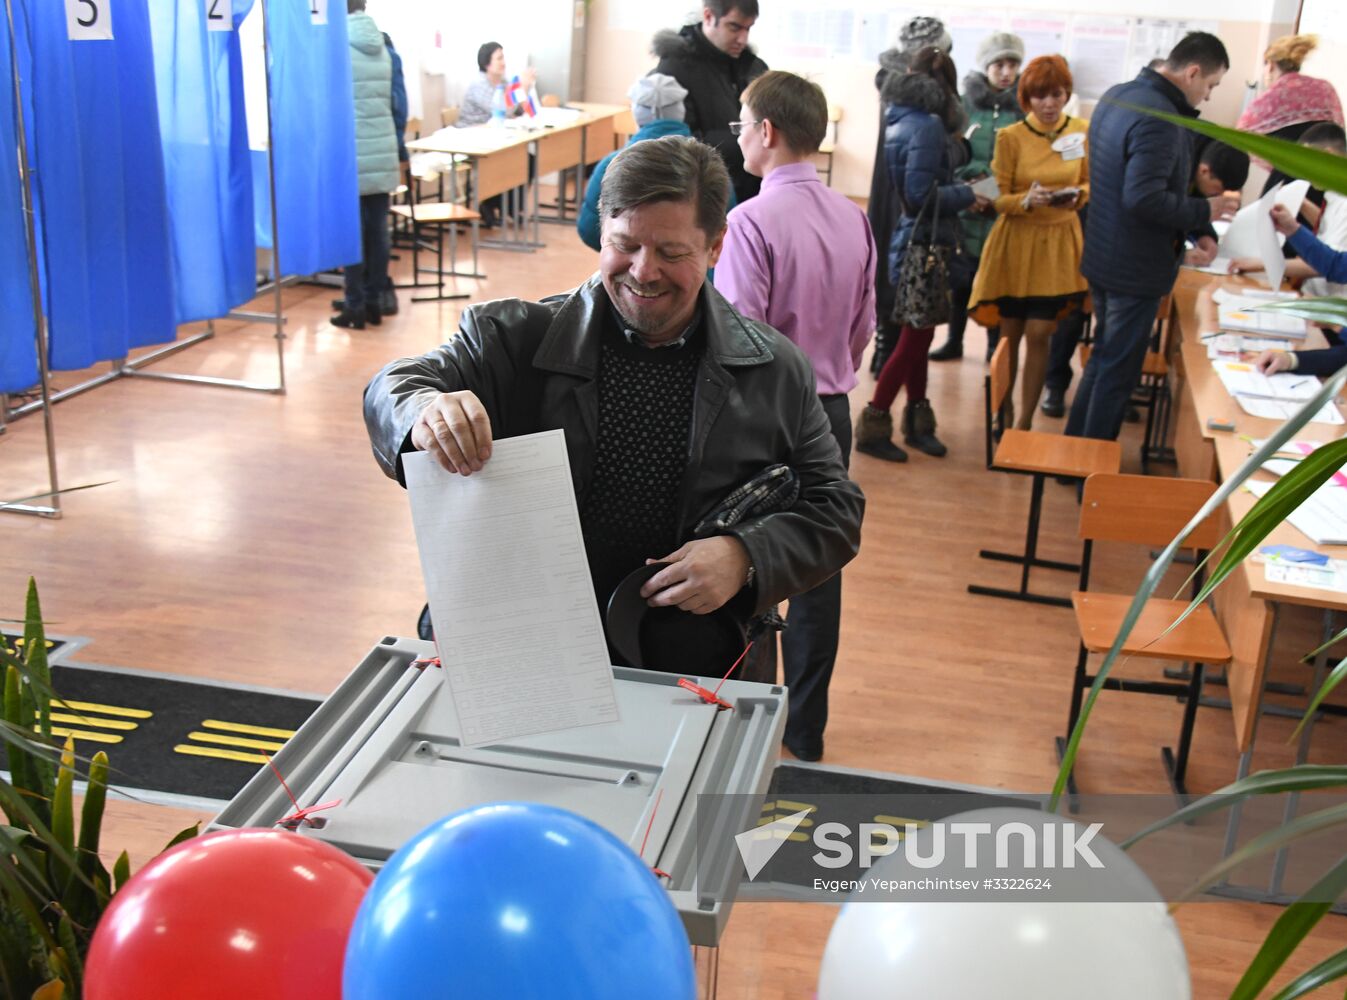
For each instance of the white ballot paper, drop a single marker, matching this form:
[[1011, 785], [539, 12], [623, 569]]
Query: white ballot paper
[[1251, 233], [516, 623]]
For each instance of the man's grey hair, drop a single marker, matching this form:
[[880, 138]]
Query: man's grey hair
[[673, 168]]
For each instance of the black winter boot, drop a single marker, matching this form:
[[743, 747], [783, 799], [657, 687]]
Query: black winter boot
[[874, 435], [886, 339], [919, 428], [950, 350]]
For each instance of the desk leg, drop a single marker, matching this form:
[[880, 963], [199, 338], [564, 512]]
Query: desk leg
[[1246, 758], [1302, 750], [1028, 560], [580, 171]]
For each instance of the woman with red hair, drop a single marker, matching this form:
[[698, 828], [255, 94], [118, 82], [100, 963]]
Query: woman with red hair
[[1030, 272]]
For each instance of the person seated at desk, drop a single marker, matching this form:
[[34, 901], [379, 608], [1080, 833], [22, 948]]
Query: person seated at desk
[[670, 400], [478, 104], [1332, 264], [478, 99], [1331, 222], [657, 106]]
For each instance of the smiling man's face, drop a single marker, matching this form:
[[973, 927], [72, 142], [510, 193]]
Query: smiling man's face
[[653, 262]]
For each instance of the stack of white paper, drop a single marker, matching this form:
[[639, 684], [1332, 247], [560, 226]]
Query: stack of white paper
[[1239, 318], [1322, 518], [1275, 409], [1227, 345], [1242, 379], [1330, 577]]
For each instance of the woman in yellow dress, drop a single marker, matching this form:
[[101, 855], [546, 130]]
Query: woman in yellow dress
[[1030, 272]]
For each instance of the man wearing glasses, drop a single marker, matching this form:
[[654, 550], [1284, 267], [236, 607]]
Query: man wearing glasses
[[800, 257], [713, 63]]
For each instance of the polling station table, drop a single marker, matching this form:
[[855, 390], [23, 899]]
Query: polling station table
[[498, 159], [1247, 604]]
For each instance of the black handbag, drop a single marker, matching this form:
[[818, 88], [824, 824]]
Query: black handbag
[[922, 295]]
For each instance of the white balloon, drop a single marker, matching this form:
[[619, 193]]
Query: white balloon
[[1030, 950]]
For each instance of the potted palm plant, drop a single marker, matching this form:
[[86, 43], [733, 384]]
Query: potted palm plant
[[53, 883]]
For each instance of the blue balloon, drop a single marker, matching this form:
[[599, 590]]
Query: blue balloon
[[514, 901]]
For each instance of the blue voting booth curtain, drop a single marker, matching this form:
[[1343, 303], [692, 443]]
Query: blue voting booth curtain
[[18, 349], [99, 184], [199, 77], [313, 134]]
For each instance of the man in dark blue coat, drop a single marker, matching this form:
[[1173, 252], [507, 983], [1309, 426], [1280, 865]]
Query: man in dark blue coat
[[1140, 214]]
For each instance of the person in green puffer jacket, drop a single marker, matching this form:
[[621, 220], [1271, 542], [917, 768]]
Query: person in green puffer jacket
[[377, 166], [990, 100]]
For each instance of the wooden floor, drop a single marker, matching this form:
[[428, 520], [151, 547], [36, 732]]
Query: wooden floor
[[251, 538]]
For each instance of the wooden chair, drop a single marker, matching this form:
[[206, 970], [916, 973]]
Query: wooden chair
[[1150, 511], [624, 126], [828, 147], [550, 101], [441, 219], [449, 116], [1040, 455], [402, 232]]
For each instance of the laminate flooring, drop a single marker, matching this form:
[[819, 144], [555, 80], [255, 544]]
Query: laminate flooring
[[251, 537]]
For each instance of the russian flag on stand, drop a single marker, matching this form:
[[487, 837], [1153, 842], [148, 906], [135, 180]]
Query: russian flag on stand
[[517, 96]]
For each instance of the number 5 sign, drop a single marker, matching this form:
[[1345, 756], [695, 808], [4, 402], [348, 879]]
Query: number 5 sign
[[88, 19]]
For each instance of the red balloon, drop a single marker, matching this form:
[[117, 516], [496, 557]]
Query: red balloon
[[261, 914]]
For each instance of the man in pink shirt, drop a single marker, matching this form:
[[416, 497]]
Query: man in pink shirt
[[800, 257]]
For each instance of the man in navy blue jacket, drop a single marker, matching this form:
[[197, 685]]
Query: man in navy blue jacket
[[1140, 213]]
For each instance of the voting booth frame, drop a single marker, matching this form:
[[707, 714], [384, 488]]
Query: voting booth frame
[[125, 367]]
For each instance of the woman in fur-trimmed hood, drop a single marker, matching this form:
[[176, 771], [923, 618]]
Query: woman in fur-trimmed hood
[[916, 34], [922, 116]]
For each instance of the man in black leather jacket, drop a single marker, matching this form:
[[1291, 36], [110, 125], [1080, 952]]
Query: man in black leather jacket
[[668, 397]]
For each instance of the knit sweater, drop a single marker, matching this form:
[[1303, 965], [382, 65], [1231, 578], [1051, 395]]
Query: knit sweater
[[645, 417]]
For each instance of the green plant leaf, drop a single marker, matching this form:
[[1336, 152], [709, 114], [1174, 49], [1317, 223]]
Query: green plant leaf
[[84, 897], [1296, 921], [1330, 311], [1326, 171], [39, 687], [1301, 826], [1309, 657], [185, 834], [1302, 778], [1243, 534], [1331, 968], [63, 806], [74, 972], [121, 871], [1335, 678]]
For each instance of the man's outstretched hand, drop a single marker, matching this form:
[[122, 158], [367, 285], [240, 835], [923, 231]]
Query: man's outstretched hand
[[455, 430]]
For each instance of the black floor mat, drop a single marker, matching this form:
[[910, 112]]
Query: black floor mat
[[173, 734]]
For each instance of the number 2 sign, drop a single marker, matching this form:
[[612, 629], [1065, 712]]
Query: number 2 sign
[[87, 20], [219, 15]]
